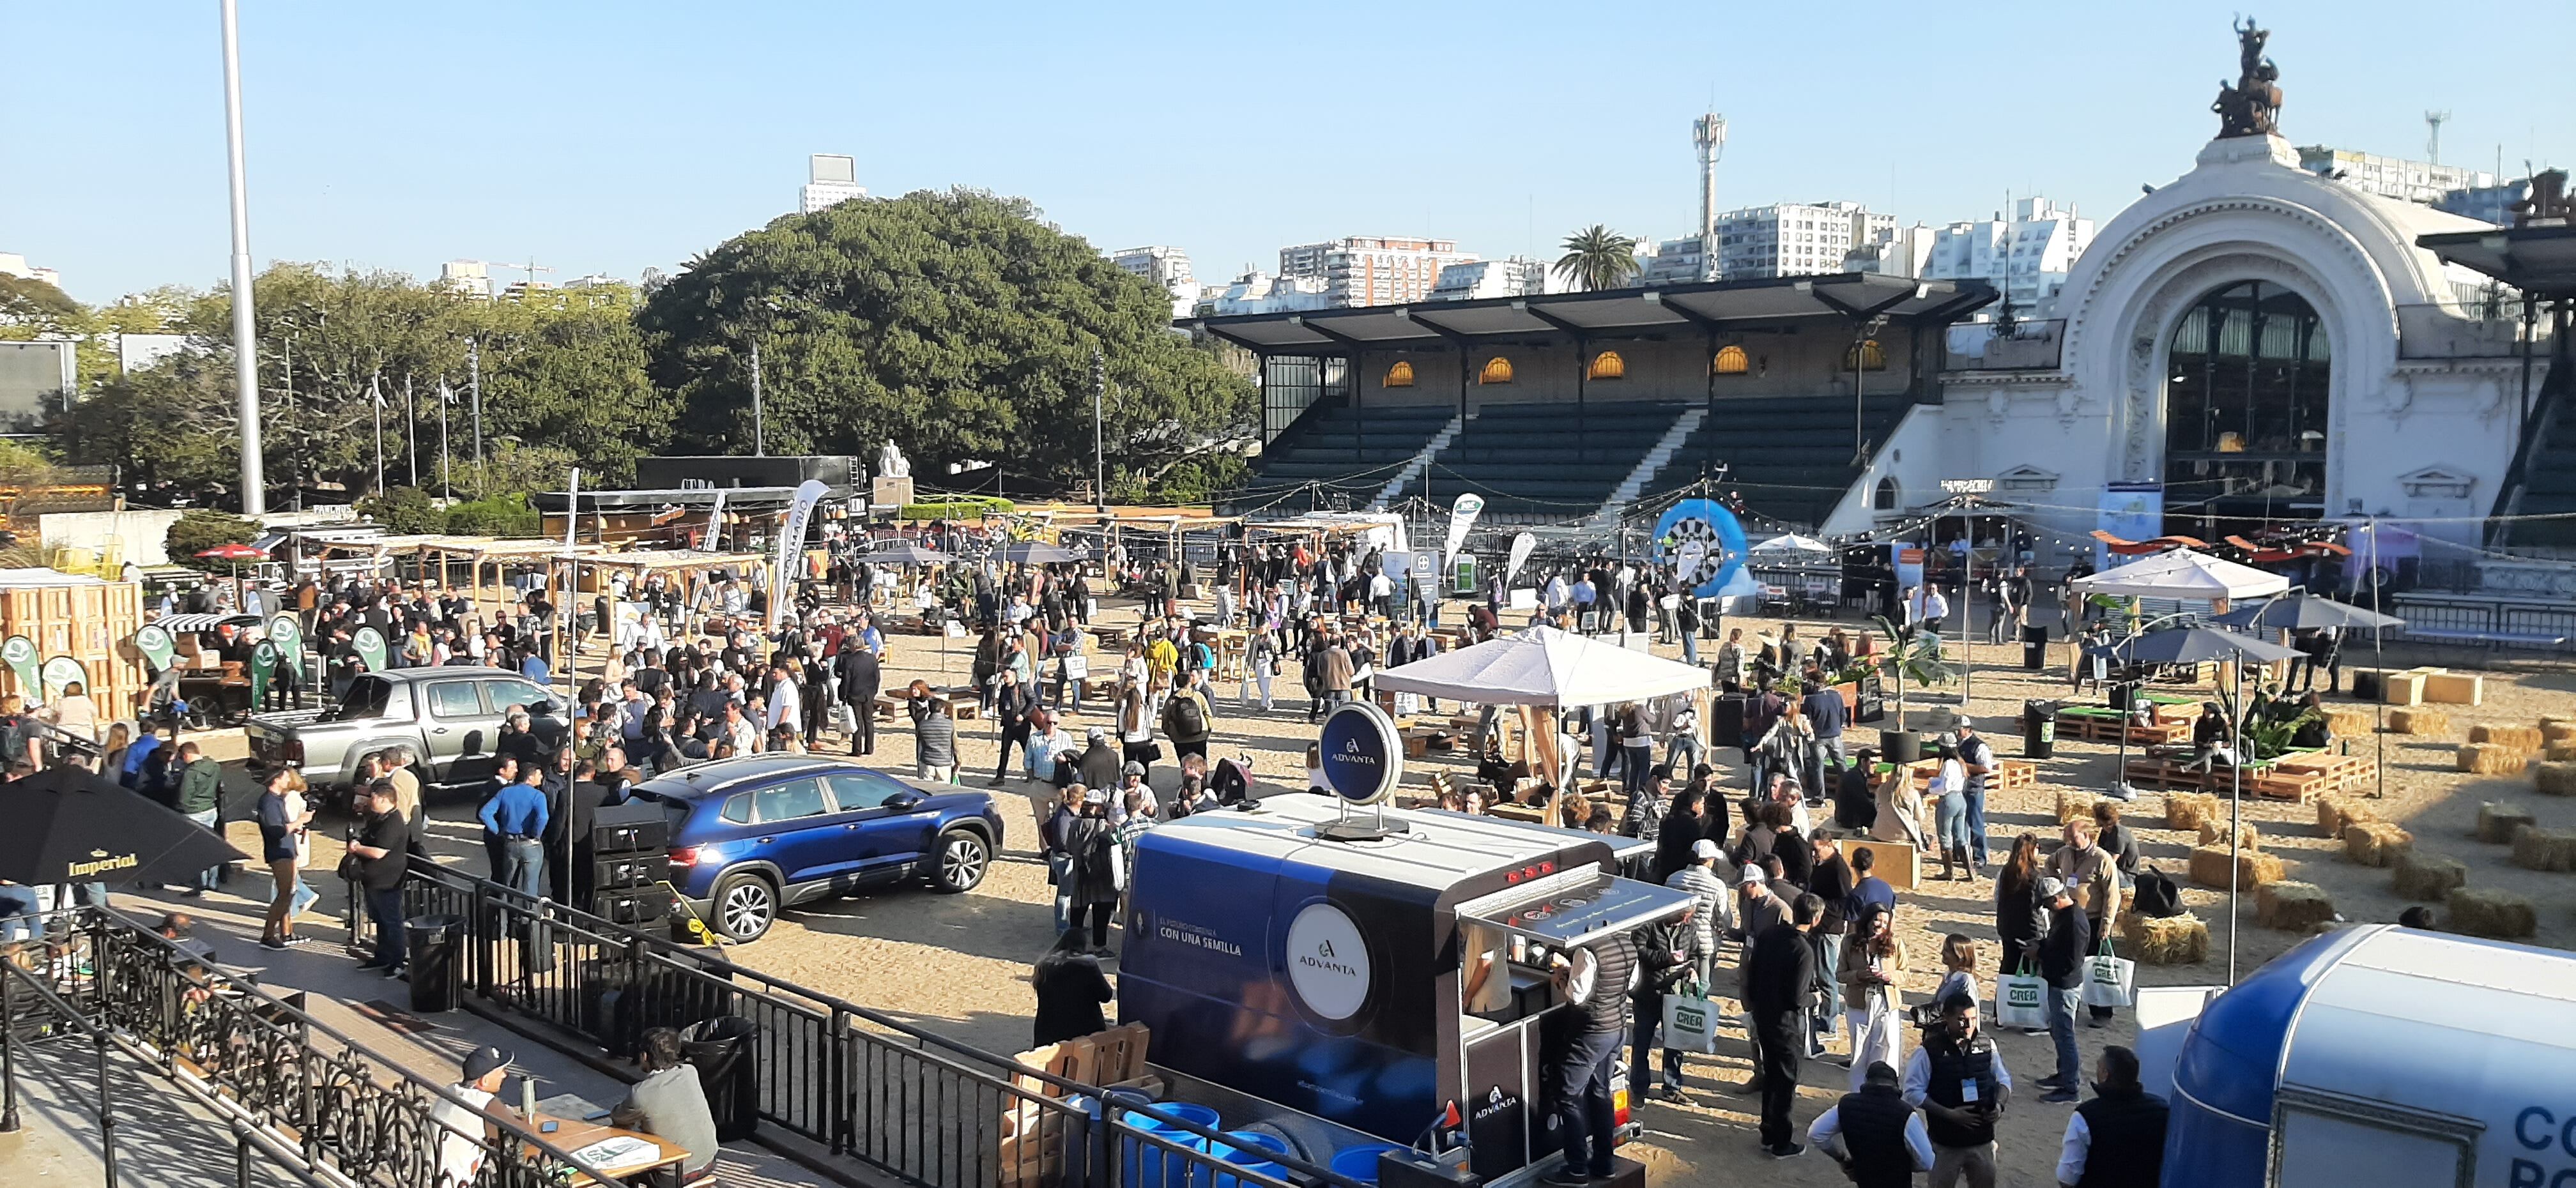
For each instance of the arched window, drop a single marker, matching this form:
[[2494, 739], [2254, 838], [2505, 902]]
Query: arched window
[[1887, 497], [1607, 366], [2247, 391], [1730, 361], [1400, 375], [1865, 355], [1498, 370]]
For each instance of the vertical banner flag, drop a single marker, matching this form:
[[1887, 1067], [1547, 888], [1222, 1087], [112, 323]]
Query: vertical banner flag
[[19, 653], [369, 644], [715, 522], [1462, 517], [791, 539], [63, 672], [156, 645], [263, 665], [1522, 546], [287, 633]]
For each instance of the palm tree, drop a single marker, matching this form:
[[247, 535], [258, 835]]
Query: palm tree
[[1598, 258], [1910, 654]]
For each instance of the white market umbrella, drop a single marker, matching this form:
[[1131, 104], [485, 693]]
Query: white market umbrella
[[2183, 573], [1792, 543], [1544, 666]]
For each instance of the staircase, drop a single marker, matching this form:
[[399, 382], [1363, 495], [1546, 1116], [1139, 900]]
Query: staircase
[[1421, 464], [2543, 478], [1647, 468]]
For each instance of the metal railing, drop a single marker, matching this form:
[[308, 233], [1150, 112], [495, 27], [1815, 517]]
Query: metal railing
[[860, 1083], [296, 1096]]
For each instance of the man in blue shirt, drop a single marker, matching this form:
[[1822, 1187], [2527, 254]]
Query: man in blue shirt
[[1584, 596], [516, 816], [1826, 716]]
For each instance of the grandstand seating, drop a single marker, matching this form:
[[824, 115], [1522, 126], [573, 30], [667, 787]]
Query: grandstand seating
[[2548, 478], [1542, 462], [1789, 457], [1353, 452]]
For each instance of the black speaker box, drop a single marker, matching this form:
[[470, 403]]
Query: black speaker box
[[630, 828]]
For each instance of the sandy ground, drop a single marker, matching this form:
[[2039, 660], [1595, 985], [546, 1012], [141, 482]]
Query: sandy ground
[[959, 964]]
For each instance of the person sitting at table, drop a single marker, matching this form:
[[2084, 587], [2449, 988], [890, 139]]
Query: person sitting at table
[[670, 1104]]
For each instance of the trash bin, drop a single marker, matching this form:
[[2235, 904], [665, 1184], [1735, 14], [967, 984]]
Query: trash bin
[[729, 1070], [2034, 648], [431, 946], [1899, 747], [2039, 729]]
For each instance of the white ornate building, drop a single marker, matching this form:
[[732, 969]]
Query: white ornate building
[[2261, 341]]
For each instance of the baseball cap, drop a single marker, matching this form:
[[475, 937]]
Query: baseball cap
[[2050, 887], [484, 1062], [1096, 733], [1752, 876], [1095, 796], [1703, 848], [1133, 768]]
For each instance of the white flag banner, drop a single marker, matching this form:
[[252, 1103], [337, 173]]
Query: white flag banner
[[446, 395], [715, 521], [791, 541], [1462, 516], [1522, 546]]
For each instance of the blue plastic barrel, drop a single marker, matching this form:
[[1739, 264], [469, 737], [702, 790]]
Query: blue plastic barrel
[[1078, 1141], [1252, 1151], [1359, 1162], [1150, 1165]]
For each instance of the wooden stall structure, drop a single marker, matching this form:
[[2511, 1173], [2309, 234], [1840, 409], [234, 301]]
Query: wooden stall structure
[[435, 556], [84, 618]]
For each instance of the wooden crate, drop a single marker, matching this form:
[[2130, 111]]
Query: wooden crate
[[89, 621], [1032, 1136]]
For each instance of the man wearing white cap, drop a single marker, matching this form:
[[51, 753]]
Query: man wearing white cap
[[1715, 914]]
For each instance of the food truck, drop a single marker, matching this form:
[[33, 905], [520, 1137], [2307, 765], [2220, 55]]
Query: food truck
[[1349, 979], [2382, 1055]]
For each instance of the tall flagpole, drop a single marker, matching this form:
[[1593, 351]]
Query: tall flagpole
[[446, 396], [376, 397], [254, 483], [411, 434]]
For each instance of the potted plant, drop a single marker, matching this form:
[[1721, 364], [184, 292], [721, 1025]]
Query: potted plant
[[1907, 656]]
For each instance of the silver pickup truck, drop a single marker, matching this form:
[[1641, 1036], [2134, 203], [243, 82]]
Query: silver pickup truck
[[448, 718]]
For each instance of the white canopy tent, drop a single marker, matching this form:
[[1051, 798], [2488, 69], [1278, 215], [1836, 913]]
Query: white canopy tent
[[1547, 667], [2183, 573], [1791, 543]]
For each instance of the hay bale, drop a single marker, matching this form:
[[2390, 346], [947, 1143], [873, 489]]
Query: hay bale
[[2525, 739], [2559, 752], [2483, 911], [2376, 843], [2555, 779], [2214, 833], [2351, 723], [2555, 728], [2429, 877], [2535, 848], [2293, 907], [2335, 811], [2190, 810], [2074, 806], [2497, 819], [2491, 759], [2168, 940], [2209, 867], [2430, 723]]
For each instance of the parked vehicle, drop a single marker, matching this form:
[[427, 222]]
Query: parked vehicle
[[449, 718], [753, 835]]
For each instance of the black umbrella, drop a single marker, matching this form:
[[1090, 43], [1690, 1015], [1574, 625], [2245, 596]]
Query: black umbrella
[[68, 826], [1038, 552], [2197, 645], [906, 553], [2306, 612]]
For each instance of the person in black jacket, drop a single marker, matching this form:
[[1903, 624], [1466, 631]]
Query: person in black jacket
[[1595, 981], [1830, 878], [2116, 1140], [1780, 975], [1070, 989], [2061, 965], [1669, 953], [860, 678], [1683, 827]]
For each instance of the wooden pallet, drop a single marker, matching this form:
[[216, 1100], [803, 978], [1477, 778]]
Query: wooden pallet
[[2339, 773], [1033, 1136], [2008, 774], [2095, 728], [2264, 781]]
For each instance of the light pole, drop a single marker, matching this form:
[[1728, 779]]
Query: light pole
[[759, 422], [474, 384], [254, 483], [1099, 468]]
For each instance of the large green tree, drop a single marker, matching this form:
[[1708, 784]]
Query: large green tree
[[956, 323]]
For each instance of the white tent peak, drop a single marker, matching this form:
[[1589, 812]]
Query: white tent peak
[[2183, 573], [1792, 543], [1544, 666]]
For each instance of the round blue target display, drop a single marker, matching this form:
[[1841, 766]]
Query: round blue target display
[[1703, 542], [1363, 758]]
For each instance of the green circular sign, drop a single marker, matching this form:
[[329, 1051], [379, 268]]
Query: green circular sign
[[17, 650], [156, 645], [287, 634]]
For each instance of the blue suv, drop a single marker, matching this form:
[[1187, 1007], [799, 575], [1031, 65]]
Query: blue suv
[[752, 835]]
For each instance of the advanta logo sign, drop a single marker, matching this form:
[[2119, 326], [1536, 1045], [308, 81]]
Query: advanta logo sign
[[1328, 962]]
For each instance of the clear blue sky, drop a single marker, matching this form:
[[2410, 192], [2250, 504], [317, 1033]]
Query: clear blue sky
[[606, 137]]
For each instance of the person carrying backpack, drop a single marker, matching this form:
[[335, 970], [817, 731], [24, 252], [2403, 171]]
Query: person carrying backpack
[[1098, 869], [1188, 718]]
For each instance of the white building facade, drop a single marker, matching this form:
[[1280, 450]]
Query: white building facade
[[2026, 257], [1258, 292], [2250, 341], [13, 264], [1373, 269], [470, 277], [1165, 266], [830, 179], [2391, 177], [1794, 238], [1514, 276]]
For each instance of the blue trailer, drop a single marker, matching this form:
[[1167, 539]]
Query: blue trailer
[[2383, 1055], [1331, 978]]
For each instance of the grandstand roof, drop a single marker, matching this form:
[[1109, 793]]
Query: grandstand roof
[[1615, 313]]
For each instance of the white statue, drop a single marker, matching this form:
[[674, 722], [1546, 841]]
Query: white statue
[[891, 462]]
